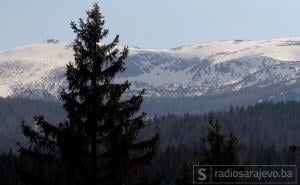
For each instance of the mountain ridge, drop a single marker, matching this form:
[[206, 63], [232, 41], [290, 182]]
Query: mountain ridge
[[37, 70]]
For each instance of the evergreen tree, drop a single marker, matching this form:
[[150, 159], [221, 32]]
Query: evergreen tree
[[44, 160], [212, 148], [216, 148], [232, 150], [98, 143]]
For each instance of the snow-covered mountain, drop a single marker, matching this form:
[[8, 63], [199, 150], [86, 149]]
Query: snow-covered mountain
[[215, 68]]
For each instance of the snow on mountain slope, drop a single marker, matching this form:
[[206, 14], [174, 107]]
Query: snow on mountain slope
[[37, 70], [286, 49]]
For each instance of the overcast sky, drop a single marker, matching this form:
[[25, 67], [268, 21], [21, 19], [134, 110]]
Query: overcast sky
[[151, 23]]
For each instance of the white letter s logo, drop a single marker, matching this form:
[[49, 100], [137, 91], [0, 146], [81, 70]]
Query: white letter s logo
[[201, 174]]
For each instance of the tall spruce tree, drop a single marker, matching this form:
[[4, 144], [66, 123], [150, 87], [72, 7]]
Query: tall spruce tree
[[218, 149], [232, 150], [215, 149], [98, 143]]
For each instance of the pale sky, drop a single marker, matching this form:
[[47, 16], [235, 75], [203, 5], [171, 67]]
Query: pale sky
[[151, 23]]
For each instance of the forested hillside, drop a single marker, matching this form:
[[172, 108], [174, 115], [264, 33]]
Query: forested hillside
[[265, 123], [264, 131], [13, 111]]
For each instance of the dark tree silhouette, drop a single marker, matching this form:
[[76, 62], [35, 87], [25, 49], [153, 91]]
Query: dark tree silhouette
[[218, 149], [98, 143], [212, 149]]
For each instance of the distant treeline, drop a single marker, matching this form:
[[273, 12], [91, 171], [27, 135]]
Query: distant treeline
[[264, 131], [13, 111], [262, 124]]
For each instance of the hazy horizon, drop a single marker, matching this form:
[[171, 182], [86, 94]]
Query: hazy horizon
[[151, 24]]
